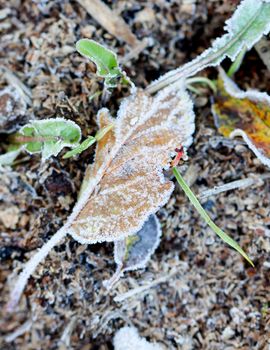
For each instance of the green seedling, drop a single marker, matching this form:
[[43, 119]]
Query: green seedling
[[88, 142], [105, 61], [47, 137], [237, 63]]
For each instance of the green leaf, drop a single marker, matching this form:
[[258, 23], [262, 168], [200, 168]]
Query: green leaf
[[82, 147], [249, 23], [89, 142], [103, 131], [205, 216], [49, 136], [104, 59]]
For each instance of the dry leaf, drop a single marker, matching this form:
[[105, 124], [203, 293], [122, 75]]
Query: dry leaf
[[126, 184], [110, 20], [246, 114], [133, 252]]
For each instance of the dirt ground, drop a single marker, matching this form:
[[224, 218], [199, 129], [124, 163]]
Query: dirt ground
[[199, 294]]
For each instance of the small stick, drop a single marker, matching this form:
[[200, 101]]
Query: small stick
[[109, 20], [25, 327], [132, 292], [232, 186]]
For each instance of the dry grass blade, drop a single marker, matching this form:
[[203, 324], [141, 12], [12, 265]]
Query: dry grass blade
[[109, 20]]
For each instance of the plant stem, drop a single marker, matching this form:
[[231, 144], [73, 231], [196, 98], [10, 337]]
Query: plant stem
[[25, 139], [237, 63], [206, 217], [202, 80]]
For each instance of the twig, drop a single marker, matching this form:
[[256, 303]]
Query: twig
[[233, 185], [134, 52], [65, 338], [25, 327], [110, 20], [144, 288]]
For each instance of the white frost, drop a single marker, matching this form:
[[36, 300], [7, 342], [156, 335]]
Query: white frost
[[128, 338]]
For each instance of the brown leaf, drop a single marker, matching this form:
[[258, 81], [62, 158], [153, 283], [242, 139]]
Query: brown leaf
[[126, 184], [243, 113], [110, 20]]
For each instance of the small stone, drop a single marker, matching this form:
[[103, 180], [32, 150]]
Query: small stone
[[10, 216], [227, 334]]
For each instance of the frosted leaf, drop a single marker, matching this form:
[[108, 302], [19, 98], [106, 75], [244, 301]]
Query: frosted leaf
[[128, 338], [243, 113], [50, 136], [126, 184], [248, 24], [133, 252]]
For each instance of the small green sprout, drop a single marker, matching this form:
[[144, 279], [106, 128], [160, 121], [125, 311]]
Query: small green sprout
[[82, 147], [105, 60], [237, 63], [48, 137], [88, 142]]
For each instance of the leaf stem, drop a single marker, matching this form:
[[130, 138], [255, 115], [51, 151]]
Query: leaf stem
[[202, 80], [237, 63], [25, 139], [206, 217]]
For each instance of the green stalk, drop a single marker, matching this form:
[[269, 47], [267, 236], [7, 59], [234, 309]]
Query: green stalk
[[205, 216], [202, 80], [237, 63]]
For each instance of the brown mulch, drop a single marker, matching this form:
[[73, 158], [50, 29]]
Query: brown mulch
[[211, 298]]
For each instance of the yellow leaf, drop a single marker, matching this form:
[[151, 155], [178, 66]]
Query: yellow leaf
[[246, 114]]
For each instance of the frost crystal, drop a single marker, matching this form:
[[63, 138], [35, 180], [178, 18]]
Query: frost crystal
[[128, 338]]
